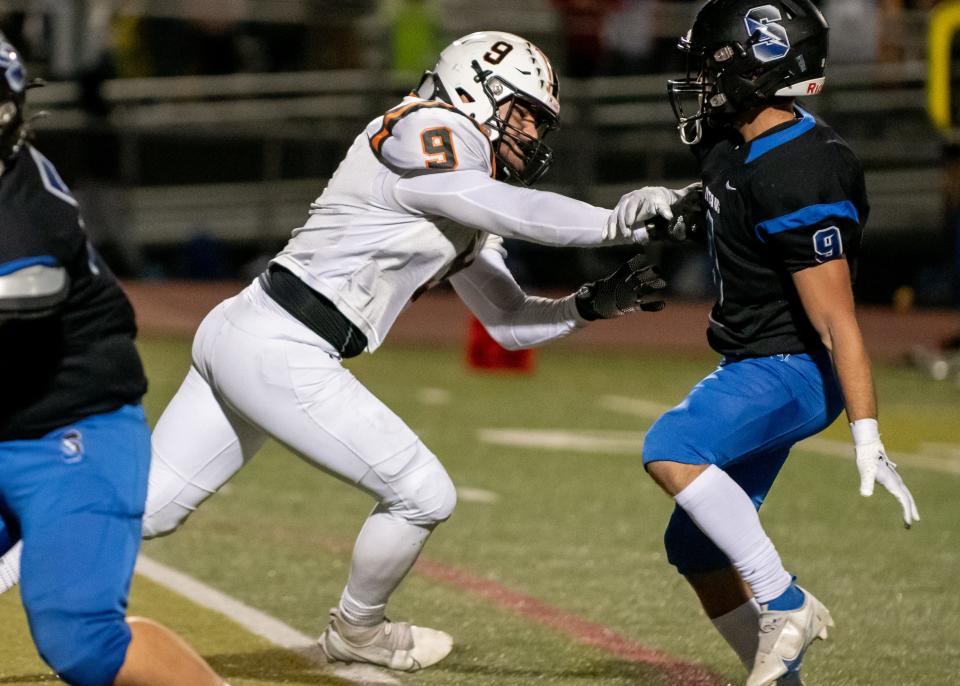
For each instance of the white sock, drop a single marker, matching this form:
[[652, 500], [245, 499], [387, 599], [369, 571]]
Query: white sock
[[739, 629], [10, 567], [725, 513], [384, 552]]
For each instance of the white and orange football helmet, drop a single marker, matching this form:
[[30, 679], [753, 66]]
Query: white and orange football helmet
[[479, 72]]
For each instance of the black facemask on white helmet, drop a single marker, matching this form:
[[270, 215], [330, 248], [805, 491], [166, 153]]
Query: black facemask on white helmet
[[741, 54], [479, 74]]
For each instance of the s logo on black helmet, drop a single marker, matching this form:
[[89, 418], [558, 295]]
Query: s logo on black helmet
[[10, 62], [769, 39]]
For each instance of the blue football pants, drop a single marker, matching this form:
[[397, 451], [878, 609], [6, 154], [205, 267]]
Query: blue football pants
[[76, 497], [743, 418]]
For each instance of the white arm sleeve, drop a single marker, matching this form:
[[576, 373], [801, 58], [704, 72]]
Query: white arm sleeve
[[513, 319], [471, 198]]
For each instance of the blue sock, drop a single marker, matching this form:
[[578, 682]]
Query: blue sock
[[791, 599]]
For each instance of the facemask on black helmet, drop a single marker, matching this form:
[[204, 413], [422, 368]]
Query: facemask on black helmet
[[13, 85], [741, 54]]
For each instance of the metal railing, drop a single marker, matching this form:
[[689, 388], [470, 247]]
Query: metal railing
[[618, 133]]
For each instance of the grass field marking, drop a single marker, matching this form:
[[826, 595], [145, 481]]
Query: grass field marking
[[638, 407], [631, 443], [940, 457], [844, 449], [433, 396], [476, 495], [597, 636], [606, 442], [256, 622], [949, 450]]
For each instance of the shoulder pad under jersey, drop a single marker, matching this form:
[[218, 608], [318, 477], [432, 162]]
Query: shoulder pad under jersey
[[428, 136]]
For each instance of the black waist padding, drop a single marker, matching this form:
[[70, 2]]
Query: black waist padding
[[313, 310]]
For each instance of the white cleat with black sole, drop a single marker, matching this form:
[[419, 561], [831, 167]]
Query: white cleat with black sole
[[394, 645], [784, 637]]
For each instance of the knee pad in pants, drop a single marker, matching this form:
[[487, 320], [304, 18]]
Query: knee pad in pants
[[424, 493], [84, 650], [688, 548]]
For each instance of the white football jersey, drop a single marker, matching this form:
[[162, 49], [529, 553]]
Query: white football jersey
[[414, 201]]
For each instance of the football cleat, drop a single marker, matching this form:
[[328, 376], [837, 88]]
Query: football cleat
[[784, 637], [394, 645]]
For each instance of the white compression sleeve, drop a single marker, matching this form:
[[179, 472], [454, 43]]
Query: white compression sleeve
[[10, 567], [384, 552], [514, 319], [739, 629], [473, 199], [725, 513]]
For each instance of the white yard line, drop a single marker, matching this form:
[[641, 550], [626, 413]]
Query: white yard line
[[476, 495], [256, 622], [637, 407], [607, 442], [844, 449], [433, 396], [939, 457]]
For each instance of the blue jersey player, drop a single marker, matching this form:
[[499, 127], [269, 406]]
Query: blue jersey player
[[785, 206], [74, 444]]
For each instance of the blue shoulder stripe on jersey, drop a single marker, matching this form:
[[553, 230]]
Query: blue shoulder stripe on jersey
[[24, 262], [808, 216], [763, 145]]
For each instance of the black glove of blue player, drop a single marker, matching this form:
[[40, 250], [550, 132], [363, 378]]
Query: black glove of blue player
[[634, 285], [689, 218]]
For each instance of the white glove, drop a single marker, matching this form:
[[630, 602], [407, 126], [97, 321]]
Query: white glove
[[874, 465], [637, 207]]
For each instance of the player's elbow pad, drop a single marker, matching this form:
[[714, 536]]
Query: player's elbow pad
[[505, 340]]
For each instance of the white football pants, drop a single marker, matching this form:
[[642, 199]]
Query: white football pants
[[257, 371]]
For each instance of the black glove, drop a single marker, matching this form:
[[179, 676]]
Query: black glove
[[634, 285], [689, 220]]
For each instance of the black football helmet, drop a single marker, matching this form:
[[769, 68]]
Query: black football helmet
[[13, 86], [743, 53]]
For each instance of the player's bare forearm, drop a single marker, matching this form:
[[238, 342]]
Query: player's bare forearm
[[852, 364], [827, 297]]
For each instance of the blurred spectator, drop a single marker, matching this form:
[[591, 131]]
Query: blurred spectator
[[858, 21], [130, 57], [674, 19], [628, 33], [582, 22], [414, 30]]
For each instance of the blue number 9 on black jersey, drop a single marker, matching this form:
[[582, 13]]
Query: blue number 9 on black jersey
[[790, 199]]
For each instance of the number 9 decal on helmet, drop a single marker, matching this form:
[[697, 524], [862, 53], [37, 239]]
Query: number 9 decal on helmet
[[480, 73]]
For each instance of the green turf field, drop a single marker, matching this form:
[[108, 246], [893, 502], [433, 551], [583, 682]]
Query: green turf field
[[573, 534]]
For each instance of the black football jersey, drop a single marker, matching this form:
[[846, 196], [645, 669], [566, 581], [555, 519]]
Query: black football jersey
[[81, 359], [790, 199]]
